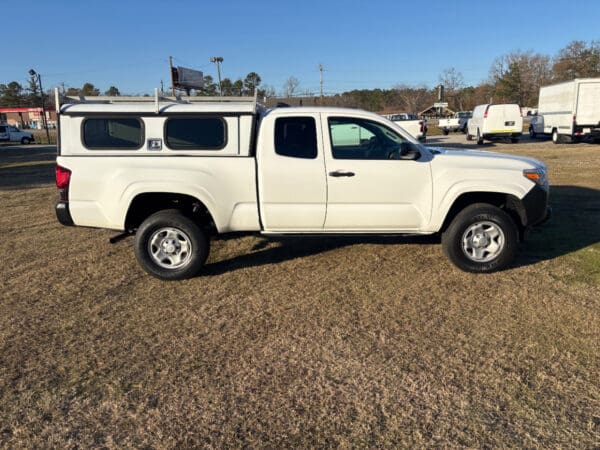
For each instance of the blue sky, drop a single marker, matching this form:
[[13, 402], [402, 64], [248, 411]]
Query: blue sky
[[361, 44]]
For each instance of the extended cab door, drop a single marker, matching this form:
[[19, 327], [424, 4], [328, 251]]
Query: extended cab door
[[292, 187], [371, 185]]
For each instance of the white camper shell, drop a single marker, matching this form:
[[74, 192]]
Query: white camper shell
[[495, 122], [569, 111]]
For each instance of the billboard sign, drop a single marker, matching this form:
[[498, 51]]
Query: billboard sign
[[184, 78]]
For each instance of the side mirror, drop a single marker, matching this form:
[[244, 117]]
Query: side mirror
[[409, 151]]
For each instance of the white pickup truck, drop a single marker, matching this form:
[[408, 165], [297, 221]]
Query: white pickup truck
[[10, 133], [176, 172], [411, 123], [456, 123]]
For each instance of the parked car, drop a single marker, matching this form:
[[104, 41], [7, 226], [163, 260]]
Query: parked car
[[570, 111], [536, 126], [495, 122], [174, 173], [411, 123], [10, 133], [456, 123]]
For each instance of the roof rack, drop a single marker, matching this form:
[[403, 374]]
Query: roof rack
[[62, 99]]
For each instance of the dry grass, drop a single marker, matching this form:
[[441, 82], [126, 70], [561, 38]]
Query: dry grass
[[300, 343]]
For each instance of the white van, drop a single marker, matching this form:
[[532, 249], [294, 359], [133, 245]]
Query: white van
[[493, 122]]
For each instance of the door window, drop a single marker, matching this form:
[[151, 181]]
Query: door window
[[296, 137], [354, 138]]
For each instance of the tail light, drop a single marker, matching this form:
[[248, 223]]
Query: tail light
[[574, 118], [421, 125], [63, 177], [485, 114]]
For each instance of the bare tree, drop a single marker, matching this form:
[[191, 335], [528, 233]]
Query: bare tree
[[412, 99], [517, 76], [577, 60], [290, 86], [453, 82]]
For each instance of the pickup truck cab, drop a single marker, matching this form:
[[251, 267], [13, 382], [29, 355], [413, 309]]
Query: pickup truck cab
[[456, 123], [411, 123], [10, 133], [176, 172]]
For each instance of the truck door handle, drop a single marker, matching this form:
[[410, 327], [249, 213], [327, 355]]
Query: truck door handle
[[341, 173]]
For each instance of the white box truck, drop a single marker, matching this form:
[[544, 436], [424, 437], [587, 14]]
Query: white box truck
[[570, 111]]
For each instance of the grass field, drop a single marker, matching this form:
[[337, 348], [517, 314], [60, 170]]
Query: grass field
[[324, 342]]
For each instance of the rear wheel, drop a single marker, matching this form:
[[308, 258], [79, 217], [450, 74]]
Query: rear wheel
[[445, 131], [479, 138], [514, 140], [481, 238], [170, 246], [556, 138]]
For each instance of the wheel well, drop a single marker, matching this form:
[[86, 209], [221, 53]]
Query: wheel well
[[509, 203], [144, 205]]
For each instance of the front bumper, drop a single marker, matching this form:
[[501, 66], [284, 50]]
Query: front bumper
[[63, 214]]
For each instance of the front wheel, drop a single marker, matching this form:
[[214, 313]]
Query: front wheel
[[481, 238], [445, 131], [170, 246], [514, 140], [25, 141], [532, 133]]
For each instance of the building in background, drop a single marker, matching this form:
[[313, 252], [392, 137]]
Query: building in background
[[27, 117]]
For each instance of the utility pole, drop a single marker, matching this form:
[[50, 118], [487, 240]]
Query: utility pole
[[162, 88], [34, 74], [171, 72], [321, 76], [218, 60]]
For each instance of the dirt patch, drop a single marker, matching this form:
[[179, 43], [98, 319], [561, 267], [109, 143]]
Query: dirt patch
[[301, 343]]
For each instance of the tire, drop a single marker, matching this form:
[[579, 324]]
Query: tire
[[532, 134], [445, 131], [556, 138], [514, 140], [25, 141], [479, 139], [481, 238], [184, 244]]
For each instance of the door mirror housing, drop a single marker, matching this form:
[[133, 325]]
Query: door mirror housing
[[409, 151]]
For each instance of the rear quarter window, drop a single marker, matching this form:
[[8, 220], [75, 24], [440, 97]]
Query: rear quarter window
[[112, 133], [198, 133]]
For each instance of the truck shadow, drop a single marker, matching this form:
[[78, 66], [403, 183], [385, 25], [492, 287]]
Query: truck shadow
[[575, 225]]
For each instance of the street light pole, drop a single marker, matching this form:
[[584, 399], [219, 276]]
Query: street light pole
[[33, 73], [218, 60]]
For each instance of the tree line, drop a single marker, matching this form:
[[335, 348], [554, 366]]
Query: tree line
[[513, 77]]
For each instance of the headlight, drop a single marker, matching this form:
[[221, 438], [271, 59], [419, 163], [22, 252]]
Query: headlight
[[538, 176]]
